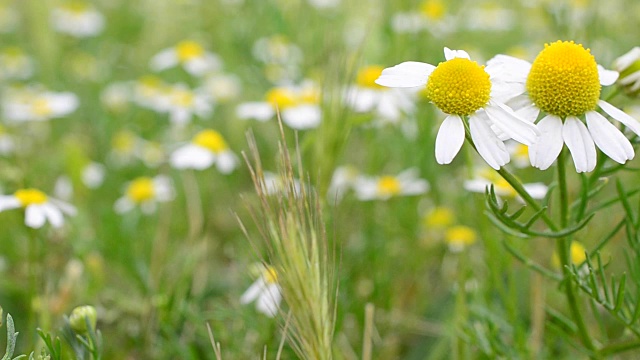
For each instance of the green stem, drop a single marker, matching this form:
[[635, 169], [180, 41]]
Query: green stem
[[563, 247]]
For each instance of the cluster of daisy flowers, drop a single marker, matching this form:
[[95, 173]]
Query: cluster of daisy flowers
[[382, 187], [505, 99]]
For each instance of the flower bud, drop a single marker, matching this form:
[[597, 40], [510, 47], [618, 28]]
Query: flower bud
[[628, 65], [78, 316]]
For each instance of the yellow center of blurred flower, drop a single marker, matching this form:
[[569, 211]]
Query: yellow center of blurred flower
[[183, 98], [141, 189], [123, 141], [270, 275], [577, 253], [281, 97], [188, 50], [30, 197], [502, 186], [433, 9], [77, 7], [563, 80], [13, 52], [389, 185], [459, 86], [439, 217], [460, 236], [211, 140], [368, 75], [41, 107], [522, 151]]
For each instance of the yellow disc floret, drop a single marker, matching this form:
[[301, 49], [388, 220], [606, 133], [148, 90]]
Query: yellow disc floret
[[563, 80], [281, 97], [389, 185], [368, 75], [459, 86], [141, 189], [30, 197], [460, 236], [270, 275], [187, 50], [210, 140]]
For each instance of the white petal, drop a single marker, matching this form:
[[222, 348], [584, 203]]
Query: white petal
[[452, 54], [34, 216], [476, 185], [269, 301], [53, 215], [580, 144], [406, 74], [163, 60], [508, 77], [536, 190], [66, 208], [449, 139], [492, 150], [621, 116], [192, 156], [8, 202], [607, 77], [362, 100], [261, 111], [253, 291], [302, 117], [226, 162], [608, 138], [524, 107], [511, 124], [626, 60], [123, 205], [545, 150]]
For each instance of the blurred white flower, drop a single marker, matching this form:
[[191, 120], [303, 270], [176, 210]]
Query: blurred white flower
[[343, 179], [266, 292], [206, 148], [324, 4], [146, 193], [93, 175], [15, 64], [7, 144], [77, 19], [485, 177], [116, 96], [489, 16], [221, 87], [37, 104], [38, 207], [184, 103], [628, 65], [406, 183], [190, 55], [63, 188], [431, 16]]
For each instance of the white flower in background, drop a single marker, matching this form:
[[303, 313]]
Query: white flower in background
[[564, 82], [281, 58], [184, 103], [93, 174], [116, 96], [324, 4], [146, 193], [127, 146], [77, 19], [15, 64], [206, 148], [7, 144], [266, 292], [430, 16], [343, 179], [459, 237], [152, 93], [519, 154], [384, 187], [274, 184], [461, 88], [38, 207], [628, 65], [221, 87], [489, 16], [36, 104], [299, 106], [486, 177], [388, 105], [63, 188], [189, 54]]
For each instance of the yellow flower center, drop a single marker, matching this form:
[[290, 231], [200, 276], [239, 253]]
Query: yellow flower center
[[439, 217], [389, 185], [460, 236], [270, 275], [211, 140], [433, 9], [41, 107], [141, 189], [123, 141], [577, 253], [522, 151], [76, 7], [188, 50], [368, 75], [503, 187], [30, 197], [459, 86], [281, 97], [563, 80], [183, 98]]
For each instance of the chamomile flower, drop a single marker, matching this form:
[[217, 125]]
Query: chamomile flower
[[77, 19], [116, 96], [299, 106], [37, 104], [152, 93], [183, 103], [189, 54], [407, 183], [430, 16], [221, 87], [274, 184], [628, 65], [564, 82], [343, 179], [489, 16], [439, 217], [461, 88], [387, 104], [265, 291], [38, 207], [519, 154], [486, 177], [460, 237], [93, 174], [15, 64], [146, 193], [577, 254], [280, 56], [206, 148]]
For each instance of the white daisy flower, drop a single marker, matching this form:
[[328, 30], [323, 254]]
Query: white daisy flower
[[486, 177], [93, 174], [274, 184], [38, 207], [152, 93], [193, 58], [206, 148], [519, 154], [388, 104], [33, 104], [628, 65], [146, 193], [77, 19], [384, 187], [343, 179], [116, 96], [430, 16], [15, 64], [489, 16], [222, 87], [184, 103], [461, 88], [564, 82], [265, 292], [299, 106]]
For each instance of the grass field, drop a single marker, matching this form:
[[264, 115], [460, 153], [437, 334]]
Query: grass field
[[231, 172]]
